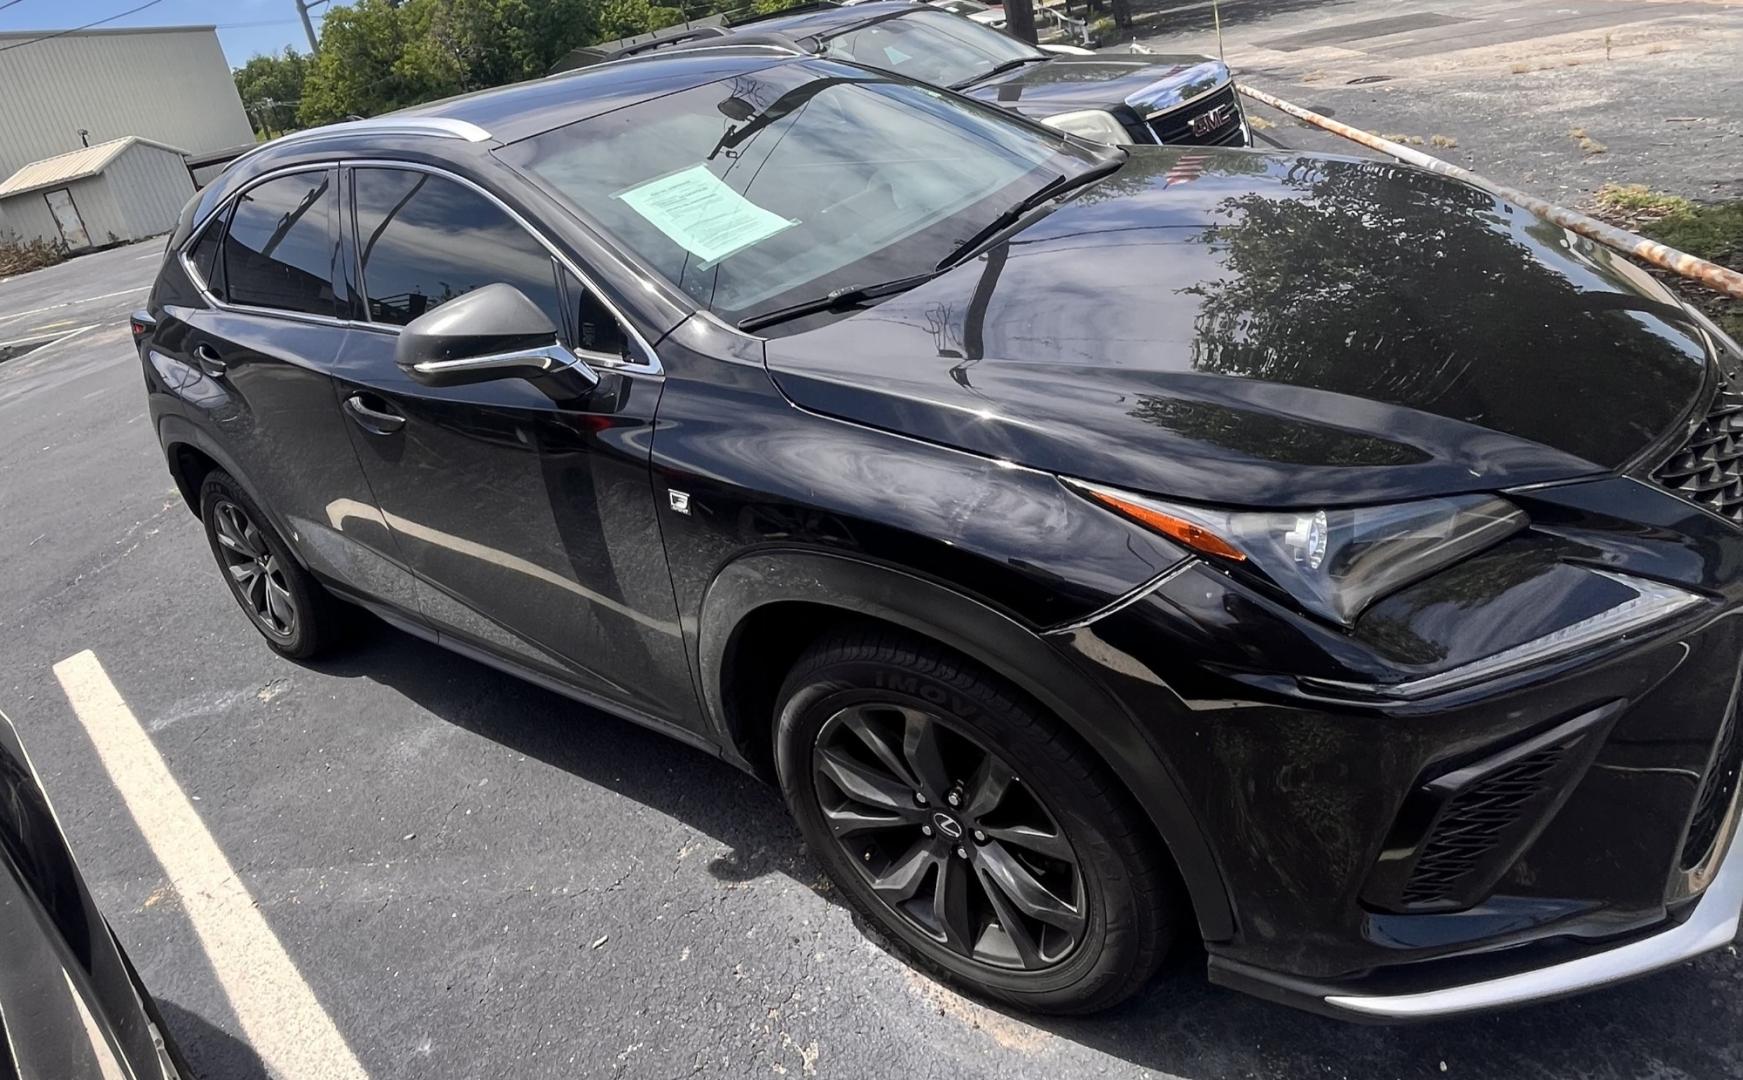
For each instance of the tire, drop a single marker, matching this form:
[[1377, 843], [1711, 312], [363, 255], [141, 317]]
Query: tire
[[879, 821], [299, 618]]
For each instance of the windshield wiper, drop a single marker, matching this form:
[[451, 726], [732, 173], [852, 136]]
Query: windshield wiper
[[1052, 189], [838, 298], [999, 69]]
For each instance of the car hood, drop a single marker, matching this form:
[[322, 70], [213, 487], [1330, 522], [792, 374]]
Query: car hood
[[1271, 330], [1149, 83]]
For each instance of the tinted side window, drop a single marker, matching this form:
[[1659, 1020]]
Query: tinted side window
[[593, 327], [424, 239], [281, 245], [204, 254]]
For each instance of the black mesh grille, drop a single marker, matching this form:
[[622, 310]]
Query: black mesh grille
[[1716, 793], [1473, 820], [1175, 128], [1708, 469]]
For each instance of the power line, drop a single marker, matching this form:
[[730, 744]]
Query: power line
[[76, 29], [244, 25], [9, 3]]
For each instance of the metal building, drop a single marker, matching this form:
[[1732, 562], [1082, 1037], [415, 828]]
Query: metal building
[[169, 86], [110, 193]]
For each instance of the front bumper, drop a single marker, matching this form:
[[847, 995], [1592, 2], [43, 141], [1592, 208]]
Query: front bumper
[[1319, 811], [1711, 925]]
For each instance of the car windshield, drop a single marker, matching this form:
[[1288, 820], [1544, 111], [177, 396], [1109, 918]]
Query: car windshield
[[932, 46], [796, 180]]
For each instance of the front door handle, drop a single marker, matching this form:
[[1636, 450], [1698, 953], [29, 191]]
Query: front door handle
[[209, 361], [372, 414]]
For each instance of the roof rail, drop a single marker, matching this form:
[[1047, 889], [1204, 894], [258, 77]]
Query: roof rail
[[440, 127], [666, 41]]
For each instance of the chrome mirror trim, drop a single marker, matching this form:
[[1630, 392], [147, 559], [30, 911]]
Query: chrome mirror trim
[[527, 362]]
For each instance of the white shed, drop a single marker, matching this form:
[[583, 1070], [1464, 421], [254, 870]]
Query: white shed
[[110, 193]]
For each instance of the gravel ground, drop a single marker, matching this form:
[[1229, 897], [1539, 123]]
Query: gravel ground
[[1508, 82]]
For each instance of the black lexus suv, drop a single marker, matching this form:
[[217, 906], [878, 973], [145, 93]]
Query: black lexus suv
[[1315, 556]]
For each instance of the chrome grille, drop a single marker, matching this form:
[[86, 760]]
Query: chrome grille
[[1175, 127]]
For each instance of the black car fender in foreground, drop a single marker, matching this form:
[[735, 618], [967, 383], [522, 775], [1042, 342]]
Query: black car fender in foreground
[[71, 1005]]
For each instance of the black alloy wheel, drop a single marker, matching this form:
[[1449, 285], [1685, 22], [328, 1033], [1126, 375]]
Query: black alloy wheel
[[987, 843], [254, 570], [948, 836], [285, 603]]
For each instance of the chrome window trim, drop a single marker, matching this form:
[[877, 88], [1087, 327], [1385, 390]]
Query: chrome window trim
[[650, 367], [614, 363], [205, 289]]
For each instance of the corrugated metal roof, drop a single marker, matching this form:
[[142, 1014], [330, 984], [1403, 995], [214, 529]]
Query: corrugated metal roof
[[73, 165]]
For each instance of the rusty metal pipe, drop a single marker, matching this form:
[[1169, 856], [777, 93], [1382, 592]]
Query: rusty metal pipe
[[1710, 274]]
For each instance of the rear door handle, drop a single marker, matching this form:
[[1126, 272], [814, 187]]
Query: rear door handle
[[365, 413], [209, 361]]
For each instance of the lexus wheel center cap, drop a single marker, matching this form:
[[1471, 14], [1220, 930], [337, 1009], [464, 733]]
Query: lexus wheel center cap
[[947, 825]]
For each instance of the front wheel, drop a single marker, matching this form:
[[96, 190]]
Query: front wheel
[[970, 825]]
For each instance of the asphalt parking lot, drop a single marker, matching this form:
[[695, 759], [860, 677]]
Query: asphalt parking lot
[[477, 879]]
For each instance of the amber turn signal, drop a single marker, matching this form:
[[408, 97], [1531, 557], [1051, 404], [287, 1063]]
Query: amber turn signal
[[1196, 537]]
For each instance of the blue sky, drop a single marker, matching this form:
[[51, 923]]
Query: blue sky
[[245, 27]]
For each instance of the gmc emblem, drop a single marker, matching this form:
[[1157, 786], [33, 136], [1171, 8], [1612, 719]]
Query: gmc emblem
[[1211, 119]]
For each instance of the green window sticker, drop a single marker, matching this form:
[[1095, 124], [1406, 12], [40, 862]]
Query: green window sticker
[[895, 55], [701, 214]]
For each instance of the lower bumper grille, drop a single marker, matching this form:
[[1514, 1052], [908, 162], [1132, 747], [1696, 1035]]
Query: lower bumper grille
[[1459, 832], [1472, 822], [1176, 128], [1718, 789]]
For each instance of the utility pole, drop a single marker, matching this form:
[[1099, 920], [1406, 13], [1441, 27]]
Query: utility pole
[[1020, 19], [309, 24]]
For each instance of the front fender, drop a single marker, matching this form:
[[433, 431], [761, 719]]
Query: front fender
[[986, 636]]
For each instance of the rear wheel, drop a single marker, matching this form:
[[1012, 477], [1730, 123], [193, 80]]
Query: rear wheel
[[289, 607], [970, 825]]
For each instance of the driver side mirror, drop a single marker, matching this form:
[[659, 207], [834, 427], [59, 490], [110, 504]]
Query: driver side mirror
[[493, 332]]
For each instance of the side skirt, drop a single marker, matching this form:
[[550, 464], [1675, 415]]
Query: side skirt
[[400, 620]]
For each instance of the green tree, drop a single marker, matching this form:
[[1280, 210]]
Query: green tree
[[272, 88], [375, 57], [380, 55], [625, 18]]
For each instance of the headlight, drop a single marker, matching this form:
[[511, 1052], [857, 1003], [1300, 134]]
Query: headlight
[[1336, 561], [1097, 124], [1650, 602]]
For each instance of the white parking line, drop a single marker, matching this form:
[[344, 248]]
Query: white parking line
[[294, 1037], [69, 303], [51, 338]]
